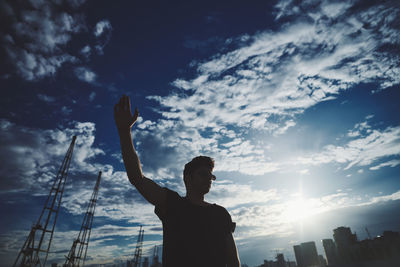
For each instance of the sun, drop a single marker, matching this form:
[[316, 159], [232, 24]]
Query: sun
[[297, 210]]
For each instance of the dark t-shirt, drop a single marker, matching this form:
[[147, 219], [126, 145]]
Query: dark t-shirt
[[194, 236]]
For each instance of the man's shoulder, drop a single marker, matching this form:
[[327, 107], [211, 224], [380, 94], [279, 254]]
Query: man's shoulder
[[222, 211], [220, 208], [172, 195], [172, 201]]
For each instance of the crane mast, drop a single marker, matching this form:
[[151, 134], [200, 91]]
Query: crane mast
[[77, 254], [36, 248]]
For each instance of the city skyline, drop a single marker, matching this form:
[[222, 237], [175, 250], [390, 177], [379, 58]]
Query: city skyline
[[297, 102], [344, 250]]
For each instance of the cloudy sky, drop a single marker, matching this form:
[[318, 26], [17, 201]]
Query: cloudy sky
[[297, 101]]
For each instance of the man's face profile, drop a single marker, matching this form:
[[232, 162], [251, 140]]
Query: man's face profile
[[201, 179]]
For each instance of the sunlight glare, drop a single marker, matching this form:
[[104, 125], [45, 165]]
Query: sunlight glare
[[297, 210]]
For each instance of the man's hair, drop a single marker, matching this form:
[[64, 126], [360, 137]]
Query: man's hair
[[196, 163]]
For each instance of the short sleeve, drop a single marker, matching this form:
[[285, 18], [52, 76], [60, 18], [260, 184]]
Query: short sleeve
[[228, 225], [172, 200]]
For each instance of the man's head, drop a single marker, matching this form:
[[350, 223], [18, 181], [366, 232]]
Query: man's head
[[197, 174]]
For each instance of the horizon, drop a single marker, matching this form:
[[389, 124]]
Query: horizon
[[297, 102]]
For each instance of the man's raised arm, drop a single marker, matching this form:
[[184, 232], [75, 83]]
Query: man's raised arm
[[124, 121]]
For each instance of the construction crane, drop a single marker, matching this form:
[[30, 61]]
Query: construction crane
[[36, 248], [138, 251], [369, 236], [77, 254]]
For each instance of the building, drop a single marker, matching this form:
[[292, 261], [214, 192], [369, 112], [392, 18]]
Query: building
[[309, 254], [330, 251], [346, 244], [322, 261], [298, 255], [306, 254], [280, 260], [380, 251]]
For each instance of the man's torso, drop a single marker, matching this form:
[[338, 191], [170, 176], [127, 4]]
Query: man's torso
[[194, 235]]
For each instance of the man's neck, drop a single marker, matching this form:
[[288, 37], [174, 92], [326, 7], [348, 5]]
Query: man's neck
[[196, 198]]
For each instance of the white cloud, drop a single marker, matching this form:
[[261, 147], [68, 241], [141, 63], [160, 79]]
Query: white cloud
[[360, 129], [66, 110], [101, 27], [283, 129], [304, 171], [76, 3], [390, 163], [372, 146], [394, 196], [165, 146], [28, 152], [86, 51], [37, 38], [332, 9], [31, 158], [92, 96], [85, 74], [279, 218], [46, 98], [230, 195], [32, 66], [102, 32]]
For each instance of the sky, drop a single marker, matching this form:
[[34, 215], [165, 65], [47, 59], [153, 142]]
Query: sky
[[297, 102]]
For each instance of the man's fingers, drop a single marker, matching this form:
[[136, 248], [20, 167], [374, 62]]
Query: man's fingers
[[121, 103], [126, 103], [129, 103]]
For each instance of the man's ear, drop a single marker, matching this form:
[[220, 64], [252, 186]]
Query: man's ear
[[186, 179]]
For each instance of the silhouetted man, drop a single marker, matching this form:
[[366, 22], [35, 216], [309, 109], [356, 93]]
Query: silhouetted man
[[196, 233]]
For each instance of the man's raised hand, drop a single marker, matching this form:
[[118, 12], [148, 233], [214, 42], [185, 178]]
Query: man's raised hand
[[123, 117]]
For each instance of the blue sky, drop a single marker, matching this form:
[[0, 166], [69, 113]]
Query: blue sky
[[297, 101]]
